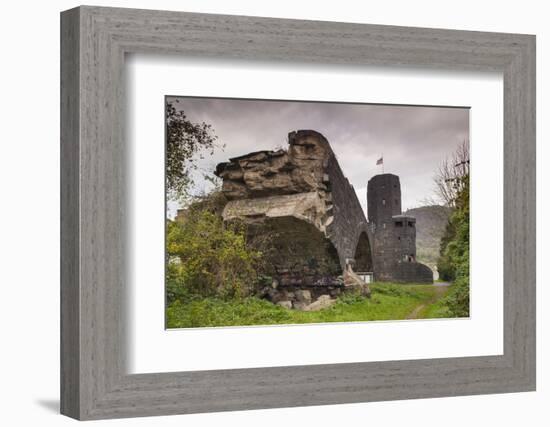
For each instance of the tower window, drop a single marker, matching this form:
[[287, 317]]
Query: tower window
[[399, 223], [411, 224], [383, 202]]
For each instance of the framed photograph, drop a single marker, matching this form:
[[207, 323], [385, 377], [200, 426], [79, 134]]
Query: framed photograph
[[261, 213], [279, 235]]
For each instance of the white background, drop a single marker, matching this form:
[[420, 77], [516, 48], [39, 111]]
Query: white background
[[29, 234], [153, 349]]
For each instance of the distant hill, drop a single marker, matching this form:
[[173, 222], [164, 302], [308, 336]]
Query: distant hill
[[430, 226]]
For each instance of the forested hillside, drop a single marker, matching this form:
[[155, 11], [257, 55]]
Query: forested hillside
[[430, 228]]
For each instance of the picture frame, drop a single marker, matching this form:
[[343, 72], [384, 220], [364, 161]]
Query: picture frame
[[94, 379]]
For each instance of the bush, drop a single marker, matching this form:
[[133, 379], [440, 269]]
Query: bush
[[207, 258], [457, 300], [454, 262]]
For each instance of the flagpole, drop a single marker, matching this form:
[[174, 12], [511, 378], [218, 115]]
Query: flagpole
[[380, 161]]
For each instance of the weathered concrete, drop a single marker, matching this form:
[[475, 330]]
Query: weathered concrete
[[324, 301], [307, 207], [353, 282]]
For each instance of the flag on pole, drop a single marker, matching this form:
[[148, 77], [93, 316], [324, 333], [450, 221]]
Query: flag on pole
[[380, 161]]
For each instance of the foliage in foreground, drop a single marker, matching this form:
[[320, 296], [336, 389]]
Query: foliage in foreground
[[208, 258], [454, 263], [387, 302], [186, 143], [441, 309]]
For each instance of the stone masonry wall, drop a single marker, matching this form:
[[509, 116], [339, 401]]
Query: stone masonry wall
[[384, 198], [349, 219]]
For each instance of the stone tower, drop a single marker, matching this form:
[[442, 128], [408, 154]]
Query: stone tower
[[394, 251], [383, 198]]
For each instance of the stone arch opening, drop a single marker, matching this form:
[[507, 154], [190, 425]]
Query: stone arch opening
[[363, 254], [295, 249]]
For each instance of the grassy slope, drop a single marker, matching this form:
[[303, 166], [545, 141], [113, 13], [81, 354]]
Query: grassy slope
[[437, 309], [388, 302]]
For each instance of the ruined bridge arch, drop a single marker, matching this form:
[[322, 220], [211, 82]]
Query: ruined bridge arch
[[349, 229], [299, 195], [363, 255]]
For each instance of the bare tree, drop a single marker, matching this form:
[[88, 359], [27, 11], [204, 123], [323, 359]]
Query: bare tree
[[450, 176]]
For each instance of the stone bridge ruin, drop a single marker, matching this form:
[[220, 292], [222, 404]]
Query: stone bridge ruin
[[301, 199]]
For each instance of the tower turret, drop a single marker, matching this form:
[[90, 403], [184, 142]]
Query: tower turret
[[383, 198], [394, 251]]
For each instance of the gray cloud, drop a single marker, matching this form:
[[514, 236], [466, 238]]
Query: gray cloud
[[413, 139]]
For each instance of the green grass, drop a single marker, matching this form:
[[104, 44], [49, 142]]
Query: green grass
[[438, 309], [388, 302], [435, 311]]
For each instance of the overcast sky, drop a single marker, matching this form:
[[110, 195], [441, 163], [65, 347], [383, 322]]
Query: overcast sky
[[413, 140]]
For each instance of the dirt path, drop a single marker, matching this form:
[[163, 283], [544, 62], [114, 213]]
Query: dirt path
[[440, 289]]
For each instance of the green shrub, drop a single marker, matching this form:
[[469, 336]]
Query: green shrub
[[208, 258], [175, 288], [457, 300], [454, 262]]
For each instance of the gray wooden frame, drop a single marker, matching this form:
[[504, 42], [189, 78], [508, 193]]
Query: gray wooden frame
[[94, 382]]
